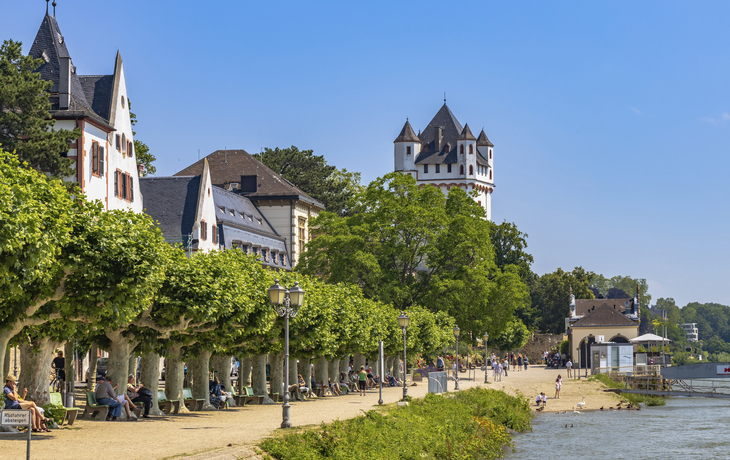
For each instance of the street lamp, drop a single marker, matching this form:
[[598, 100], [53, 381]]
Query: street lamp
[[486, 372], [456, 376], [403, 323], [287, 303]]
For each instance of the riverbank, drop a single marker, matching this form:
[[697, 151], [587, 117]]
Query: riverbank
[[232, 433]]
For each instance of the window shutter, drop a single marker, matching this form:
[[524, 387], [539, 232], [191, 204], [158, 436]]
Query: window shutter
[[101, 161], [131, 148], [124, 185], [131, 188], [116, 183]]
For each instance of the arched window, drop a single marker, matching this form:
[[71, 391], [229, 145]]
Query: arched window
[[471, 170], [461, 170], [447, 148], [471, 149], [461, 148], [490, 175], [490, 154], [408, 150]]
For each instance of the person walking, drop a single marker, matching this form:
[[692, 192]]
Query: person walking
[[569, 366], [362, 380], [558, 385], [525, 361], [519, 362], [506, 366]]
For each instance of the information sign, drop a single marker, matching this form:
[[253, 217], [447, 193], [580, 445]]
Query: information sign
[[15, 418]]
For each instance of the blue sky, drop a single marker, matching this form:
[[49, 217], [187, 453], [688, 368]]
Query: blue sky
[[611, 120]]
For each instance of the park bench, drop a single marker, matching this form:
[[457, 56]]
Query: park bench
[[250, 397], [240, 399], [71, 412], [190, 402], [93, 408], [165, 405]]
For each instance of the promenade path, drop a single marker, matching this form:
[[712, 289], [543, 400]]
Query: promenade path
[[207, 435]]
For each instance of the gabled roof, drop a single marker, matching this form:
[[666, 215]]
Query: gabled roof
[[407, 134], [227, 166], [451, 129], [98, 90], [466, 134], [50, 46], [605, 315], [172, 201], [585, 306], [483, 140]]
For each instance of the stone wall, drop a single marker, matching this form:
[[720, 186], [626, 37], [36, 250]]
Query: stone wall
[[538, 343]]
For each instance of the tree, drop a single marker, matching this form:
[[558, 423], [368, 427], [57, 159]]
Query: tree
[[550, 296], [515, 335], [406, 245], [141, 150], [311, 173], [625, 286], [35, 224], [26, 127]]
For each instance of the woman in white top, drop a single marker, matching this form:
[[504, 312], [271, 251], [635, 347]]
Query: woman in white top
[[558, 385]]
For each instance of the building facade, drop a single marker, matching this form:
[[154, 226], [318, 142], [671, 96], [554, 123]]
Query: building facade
[[447, 155], [106, 167], [691, 331]]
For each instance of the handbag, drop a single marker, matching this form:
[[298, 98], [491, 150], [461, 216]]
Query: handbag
[[145, 392]]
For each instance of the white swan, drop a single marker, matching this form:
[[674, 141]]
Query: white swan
[[582, 403], [576, 412]]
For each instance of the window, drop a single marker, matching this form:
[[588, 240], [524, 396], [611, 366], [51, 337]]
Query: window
[[438, 169], [131, 187], [282, 259], [461, 148], [480, 203], [95, 158], [461, 170], [119, 142], [214, 229], [471, 149], [490, 154], [255, 251], [263, 255], [123, 179], [425, 169], [302, 238], [425, 148], [124, 144], [101, 161], [203, 230], [274, 259], [471, 170], [131, 148], [116, 183], [408, 150], [448, 168], [122, 101], [490, 175]]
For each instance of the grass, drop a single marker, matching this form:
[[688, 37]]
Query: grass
[[472, 424], [632, 398]]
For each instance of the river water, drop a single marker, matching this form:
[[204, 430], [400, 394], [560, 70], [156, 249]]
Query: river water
[[697, 428]]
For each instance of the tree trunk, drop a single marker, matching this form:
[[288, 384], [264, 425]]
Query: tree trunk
[[305, 368], [117, 365], [132, 364], [359, 361], [294, 372], [36, 369], [276, 380], [199, 367], [175, 376], [320, 371], [5, 337], [222, 368], [91, 374], [333, 370], [258, 377], [149, 377], [6, 360], [244, 374], [69, 353]]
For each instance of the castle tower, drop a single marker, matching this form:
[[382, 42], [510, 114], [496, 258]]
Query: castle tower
[[406, 148]]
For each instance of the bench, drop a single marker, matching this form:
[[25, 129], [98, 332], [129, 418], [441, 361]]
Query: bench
[[71, 412], [93, 408], [165, 405], [250, 397], [239, 399], [191, 403]]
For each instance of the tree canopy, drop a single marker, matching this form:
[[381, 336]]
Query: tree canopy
[[141, 150], [550, 296], [26, 127]]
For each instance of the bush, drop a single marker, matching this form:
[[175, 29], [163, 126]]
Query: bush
[[470, 424], [55, 412]]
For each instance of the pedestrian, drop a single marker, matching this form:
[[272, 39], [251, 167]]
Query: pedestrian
[[525, 361], [569, 366], [439, 364], [558, 385], [519, 362], [506, 367], [362, 380]]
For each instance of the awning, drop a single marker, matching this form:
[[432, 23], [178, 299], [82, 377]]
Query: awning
[[649, 338]]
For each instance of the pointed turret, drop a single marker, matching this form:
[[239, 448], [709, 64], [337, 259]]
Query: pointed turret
[[406, 149], [407, 134], [466, 134], [483, 140]]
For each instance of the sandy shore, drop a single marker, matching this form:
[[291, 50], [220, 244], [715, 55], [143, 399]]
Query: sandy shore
[[230, 434]]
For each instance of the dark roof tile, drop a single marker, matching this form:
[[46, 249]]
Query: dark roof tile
[[407, 134], [466, 134], [483, 140], [604, 315]]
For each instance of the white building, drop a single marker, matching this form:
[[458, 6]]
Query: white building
[[446, 155], [106, 167], [691, 331]]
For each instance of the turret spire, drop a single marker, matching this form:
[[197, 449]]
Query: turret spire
[[47, 7], [54, 8]]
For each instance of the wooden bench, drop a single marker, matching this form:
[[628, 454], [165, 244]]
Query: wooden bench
[[93, 408], [250, 397], [165, 405], [71, 412], [191, 403], [239, 399]]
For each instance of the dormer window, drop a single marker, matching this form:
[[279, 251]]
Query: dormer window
[[447, 148], [425, 148]]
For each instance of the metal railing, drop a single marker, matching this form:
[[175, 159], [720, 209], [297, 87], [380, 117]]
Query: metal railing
[[652, 369]]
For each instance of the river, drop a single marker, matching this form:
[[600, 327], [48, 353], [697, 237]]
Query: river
[[685, 428]]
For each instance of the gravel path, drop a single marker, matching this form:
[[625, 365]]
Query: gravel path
[[230, 434]]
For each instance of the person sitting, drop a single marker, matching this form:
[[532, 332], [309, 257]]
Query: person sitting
[[334, 387], [105, 396], [15, 401], [371, 378], [303, 388], [344, 383], [217, 394], [125, 400], [136, 397]]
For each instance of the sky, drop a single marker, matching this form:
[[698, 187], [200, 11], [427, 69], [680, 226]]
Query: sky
[[610, 119]]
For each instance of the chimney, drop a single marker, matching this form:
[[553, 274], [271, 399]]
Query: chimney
[[64, 84], [439, 138], [249, 184]]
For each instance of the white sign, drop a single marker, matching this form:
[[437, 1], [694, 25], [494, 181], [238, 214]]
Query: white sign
[[723, 370], [15, 418], [601, 339]]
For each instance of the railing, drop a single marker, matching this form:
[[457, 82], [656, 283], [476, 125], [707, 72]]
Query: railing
[[655, 385], [652, 369]]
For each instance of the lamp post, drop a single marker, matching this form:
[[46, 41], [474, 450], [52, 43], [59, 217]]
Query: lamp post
[[456, 376], [403, 323], [287, 303], [486, 357]]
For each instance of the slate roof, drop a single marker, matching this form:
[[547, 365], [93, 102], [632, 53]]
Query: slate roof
[[98, 90], [242, 208], [451, 129], [407, 134], [172, 202], [585, 306], [484, 140], [605, 315], [227, 166], [50, 45], [466, 134]]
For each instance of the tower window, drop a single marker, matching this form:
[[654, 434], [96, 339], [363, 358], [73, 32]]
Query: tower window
[[490, 154], [448, 168], [461, 170], [461, 148], [438, 169], [471, 170], [408, 150], [425, 169], [471, 149], [490, 175]]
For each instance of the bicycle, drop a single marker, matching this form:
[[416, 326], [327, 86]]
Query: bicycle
[[56, 382]]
